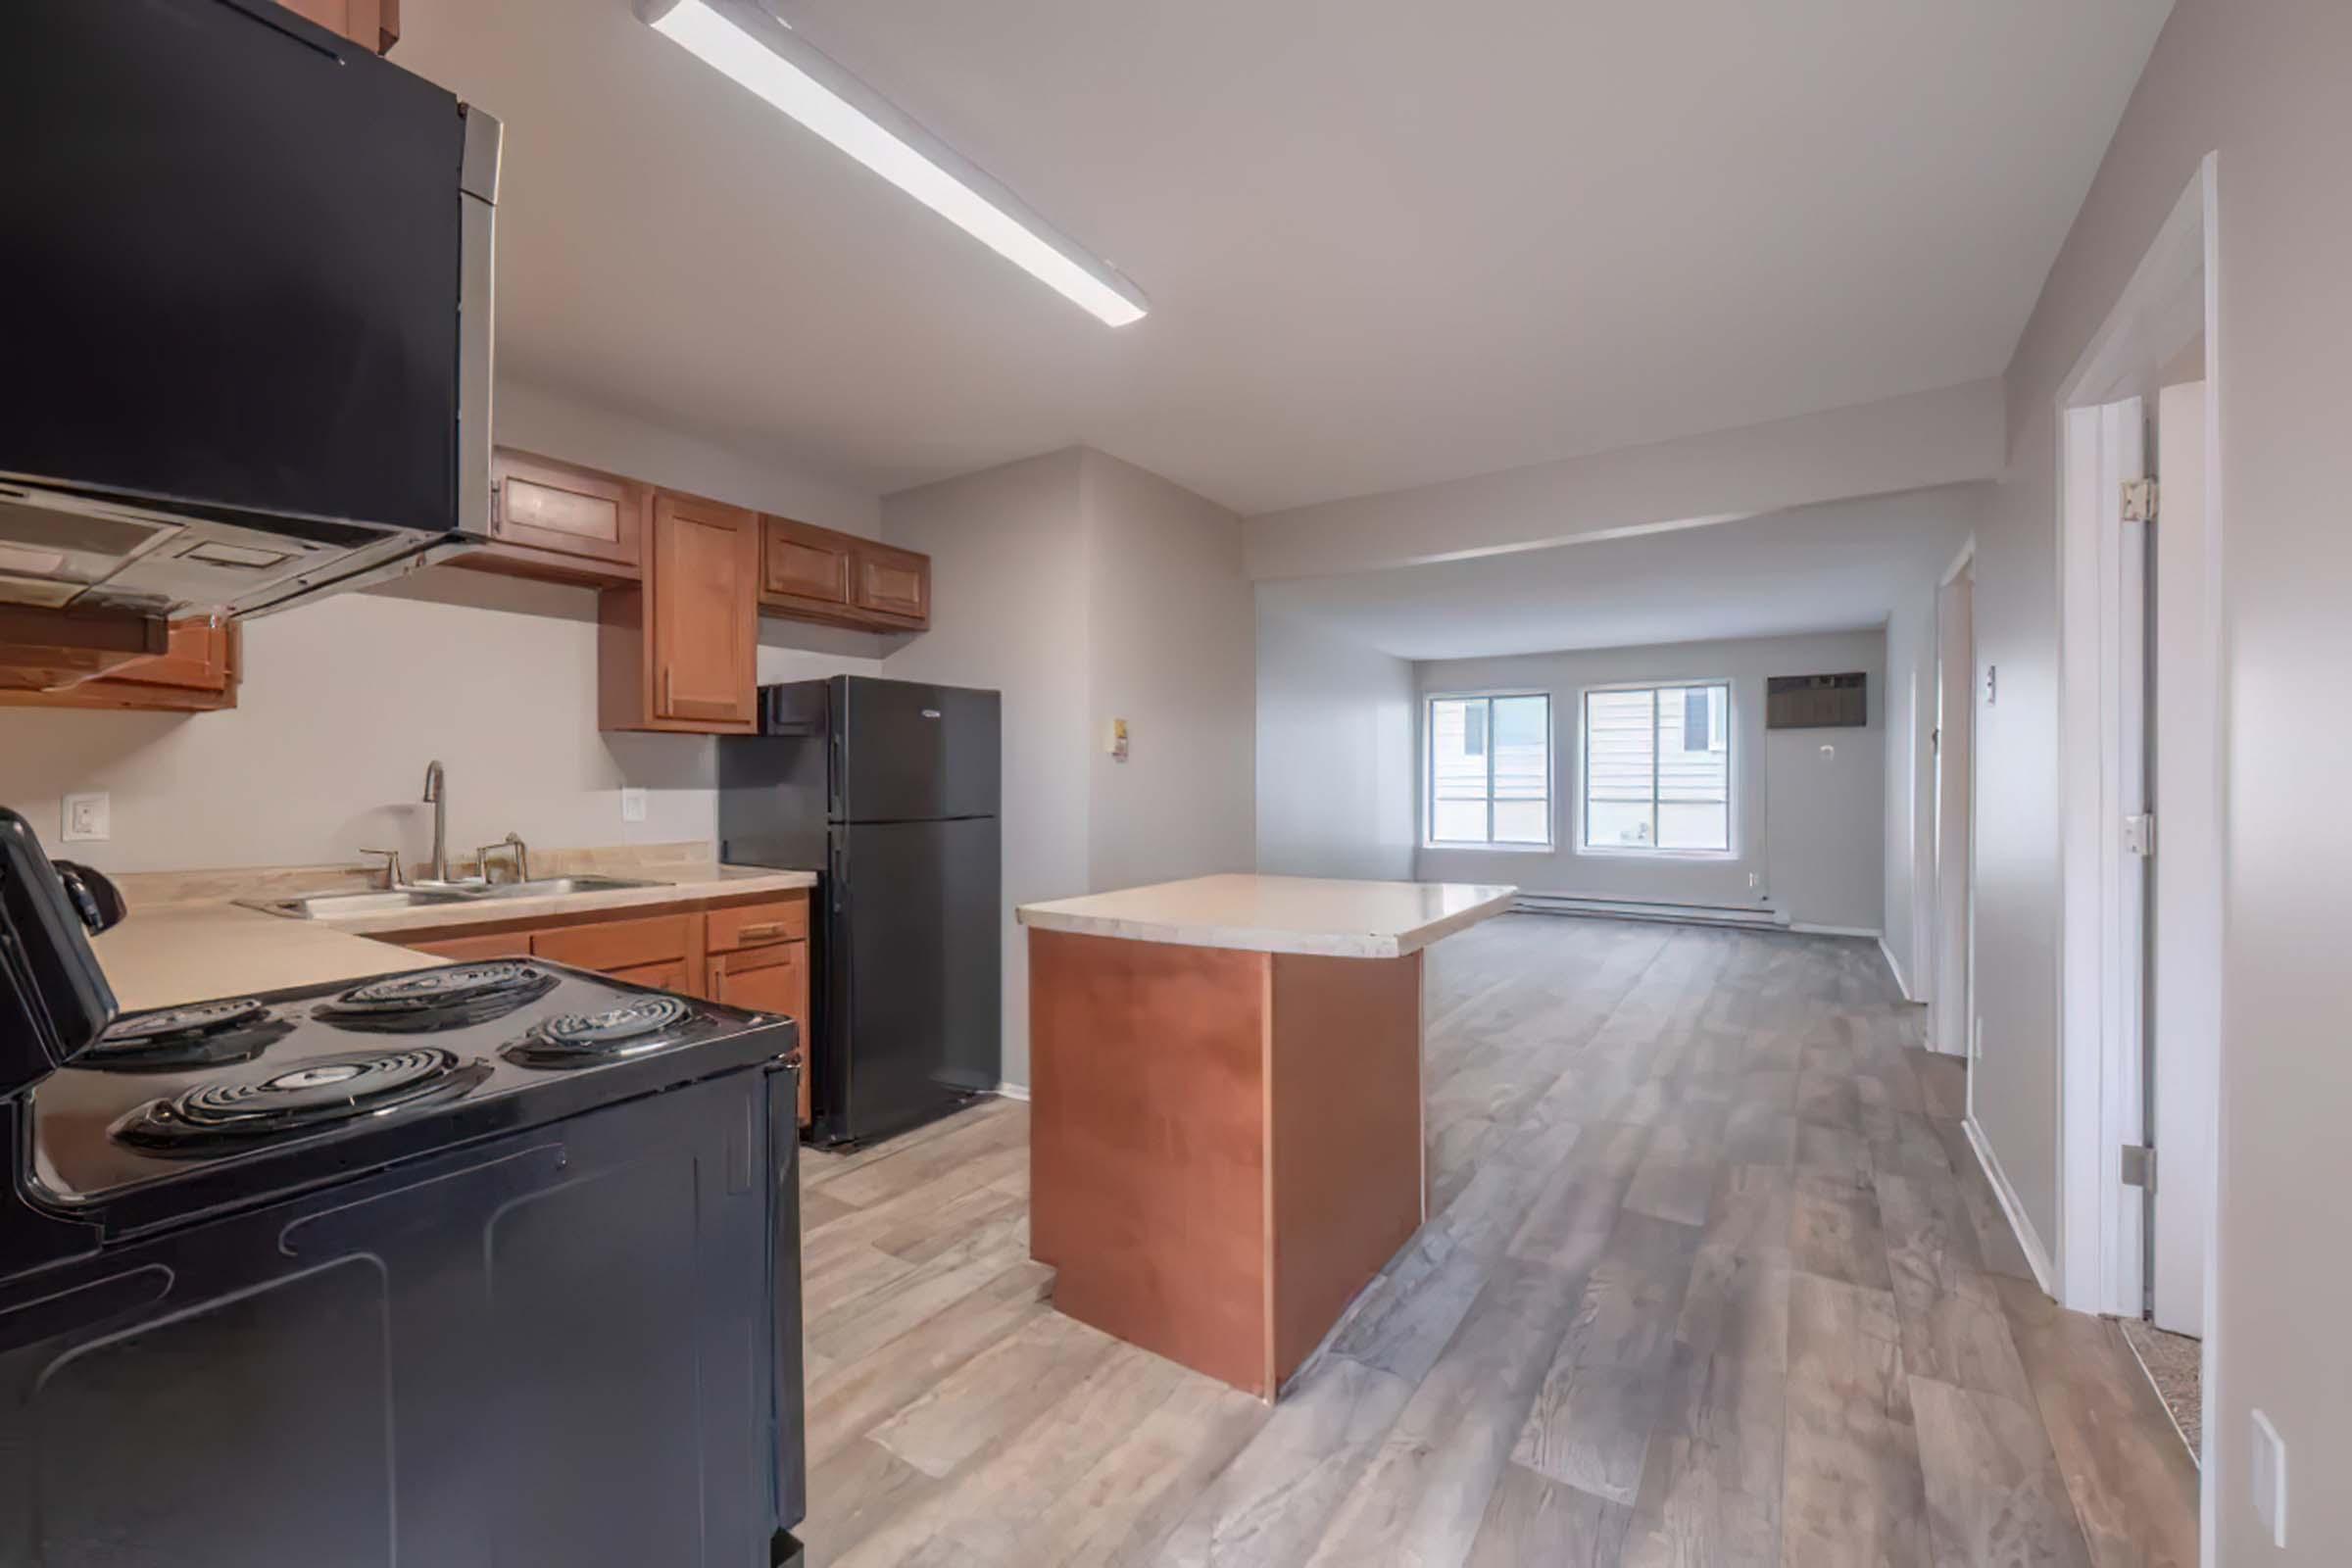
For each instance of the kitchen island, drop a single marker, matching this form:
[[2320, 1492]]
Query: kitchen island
[[1226, 1127]]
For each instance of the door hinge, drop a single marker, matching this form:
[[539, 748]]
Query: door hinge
[[2139, 835], [2140, 501], [2139, 1167]]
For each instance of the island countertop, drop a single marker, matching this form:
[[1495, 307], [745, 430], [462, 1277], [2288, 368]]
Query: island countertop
[[1310, 916]]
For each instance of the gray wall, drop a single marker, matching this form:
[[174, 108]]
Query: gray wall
[[1335, 751], [1807, 828], [2264, 88], [1172, 651]]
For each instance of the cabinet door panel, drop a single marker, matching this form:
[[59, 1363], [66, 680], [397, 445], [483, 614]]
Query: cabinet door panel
[[611, 945], [893, 583], [800, 562], [669, 976], [770, 980], [705, 611], [467, 949], [577, 511]]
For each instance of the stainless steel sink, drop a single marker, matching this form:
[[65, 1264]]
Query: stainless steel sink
[[557, 886], [328, 906], [332, 905]]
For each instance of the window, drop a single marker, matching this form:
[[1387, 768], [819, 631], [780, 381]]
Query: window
[[1490, 770], [1658, 769]]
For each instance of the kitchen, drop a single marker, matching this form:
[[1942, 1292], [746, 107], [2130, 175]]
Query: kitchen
[[912, 933], [672, 717]]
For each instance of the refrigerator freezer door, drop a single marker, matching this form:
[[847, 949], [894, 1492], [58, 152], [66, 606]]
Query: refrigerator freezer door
[[914, 975], [908, 753]]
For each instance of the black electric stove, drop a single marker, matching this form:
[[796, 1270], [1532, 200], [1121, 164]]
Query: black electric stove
[[487, 1263]]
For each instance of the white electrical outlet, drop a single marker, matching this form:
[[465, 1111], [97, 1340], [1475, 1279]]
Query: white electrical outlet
[[87, 817], [632, 806], [2269, 1478]]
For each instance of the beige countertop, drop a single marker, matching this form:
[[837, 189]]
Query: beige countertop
[[1279, 914], [201, 951], [168, 953]]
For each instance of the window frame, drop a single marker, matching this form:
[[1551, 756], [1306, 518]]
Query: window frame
[[1580, 844], [1429, 772]]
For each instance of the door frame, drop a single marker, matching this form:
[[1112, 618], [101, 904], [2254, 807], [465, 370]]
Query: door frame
[[1931, 965], [2172, 297]]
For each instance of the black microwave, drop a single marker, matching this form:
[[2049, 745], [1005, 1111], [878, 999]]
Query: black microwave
[[245, 292]]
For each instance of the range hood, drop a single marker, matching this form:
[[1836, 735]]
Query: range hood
[[245, 285]]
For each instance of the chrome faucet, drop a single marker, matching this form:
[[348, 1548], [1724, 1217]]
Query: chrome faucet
[[436, 795]]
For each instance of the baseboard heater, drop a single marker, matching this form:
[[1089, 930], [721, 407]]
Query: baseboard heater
[[1747, 917]]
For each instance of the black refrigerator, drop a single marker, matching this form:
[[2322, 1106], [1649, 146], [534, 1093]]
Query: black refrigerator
[[889, 788]]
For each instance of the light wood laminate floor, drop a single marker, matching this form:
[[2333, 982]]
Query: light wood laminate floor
[[1711, 1277]]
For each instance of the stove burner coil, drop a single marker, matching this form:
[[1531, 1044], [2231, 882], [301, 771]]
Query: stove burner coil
[[316, 1093], [203, 1033], [438, 999], [200, 1018], [625, 1029]]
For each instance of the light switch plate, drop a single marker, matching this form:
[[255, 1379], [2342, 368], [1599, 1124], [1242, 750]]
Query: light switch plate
[[2269, 1475], [632, 806], [87, 817]]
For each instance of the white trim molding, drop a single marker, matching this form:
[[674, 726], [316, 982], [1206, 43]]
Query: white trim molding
[[1011, 1090], [2038, 1256], [1902, 982]]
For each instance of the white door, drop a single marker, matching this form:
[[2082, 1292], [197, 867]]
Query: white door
[[1951, 1006], [2186, 905]]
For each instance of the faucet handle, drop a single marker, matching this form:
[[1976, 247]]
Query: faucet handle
[[392, 876], [519, 851]]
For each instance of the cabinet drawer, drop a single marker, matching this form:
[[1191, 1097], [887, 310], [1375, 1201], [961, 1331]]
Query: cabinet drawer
[[611, 945], [671, 976], [752, 925], [467, 949]]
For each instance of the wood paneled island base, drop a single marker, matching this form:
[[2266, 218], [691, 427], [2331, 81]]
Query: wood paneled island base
[[1225, 1145]]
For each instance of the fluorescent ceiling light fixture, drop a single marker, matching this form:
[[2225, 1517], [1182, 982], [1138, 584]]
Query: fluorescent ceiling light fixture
[[742, 40]]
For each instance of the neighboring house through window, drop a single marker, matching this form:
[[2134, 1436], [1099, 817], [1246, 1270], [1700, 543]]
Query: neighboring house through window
[[1657, 769], [1490, 770]]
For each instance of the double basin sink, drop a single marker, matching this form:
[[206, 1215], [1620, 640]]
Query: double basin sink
[[328, 906]]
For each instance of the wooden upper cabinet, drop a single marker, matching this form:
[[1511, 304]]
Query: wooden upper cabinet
[[799, 563], [372, 22], [681, 651], [196, 673], [541, 504], [896, 583], [812, 573]]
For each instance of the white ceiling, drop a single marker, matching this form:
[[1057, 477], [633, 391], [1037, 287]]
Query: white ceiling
[[1385, 243], [1815, 568]]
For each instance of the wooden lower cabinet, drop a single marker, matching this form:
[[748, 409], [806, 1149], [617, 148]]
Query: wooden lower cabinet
[[770, 979], [749, 954], [470, 950], [671, 976]]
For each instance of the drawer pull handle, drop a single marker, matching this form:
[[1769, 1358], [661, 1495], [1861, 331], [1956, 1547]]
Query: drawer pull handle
[[760, 933]]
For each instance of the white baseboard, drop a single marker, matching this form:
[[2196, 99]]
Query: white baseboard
[[1804, 930], [1895, 969], [1577, 904], [1013, 1092], [2037, 1257]]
